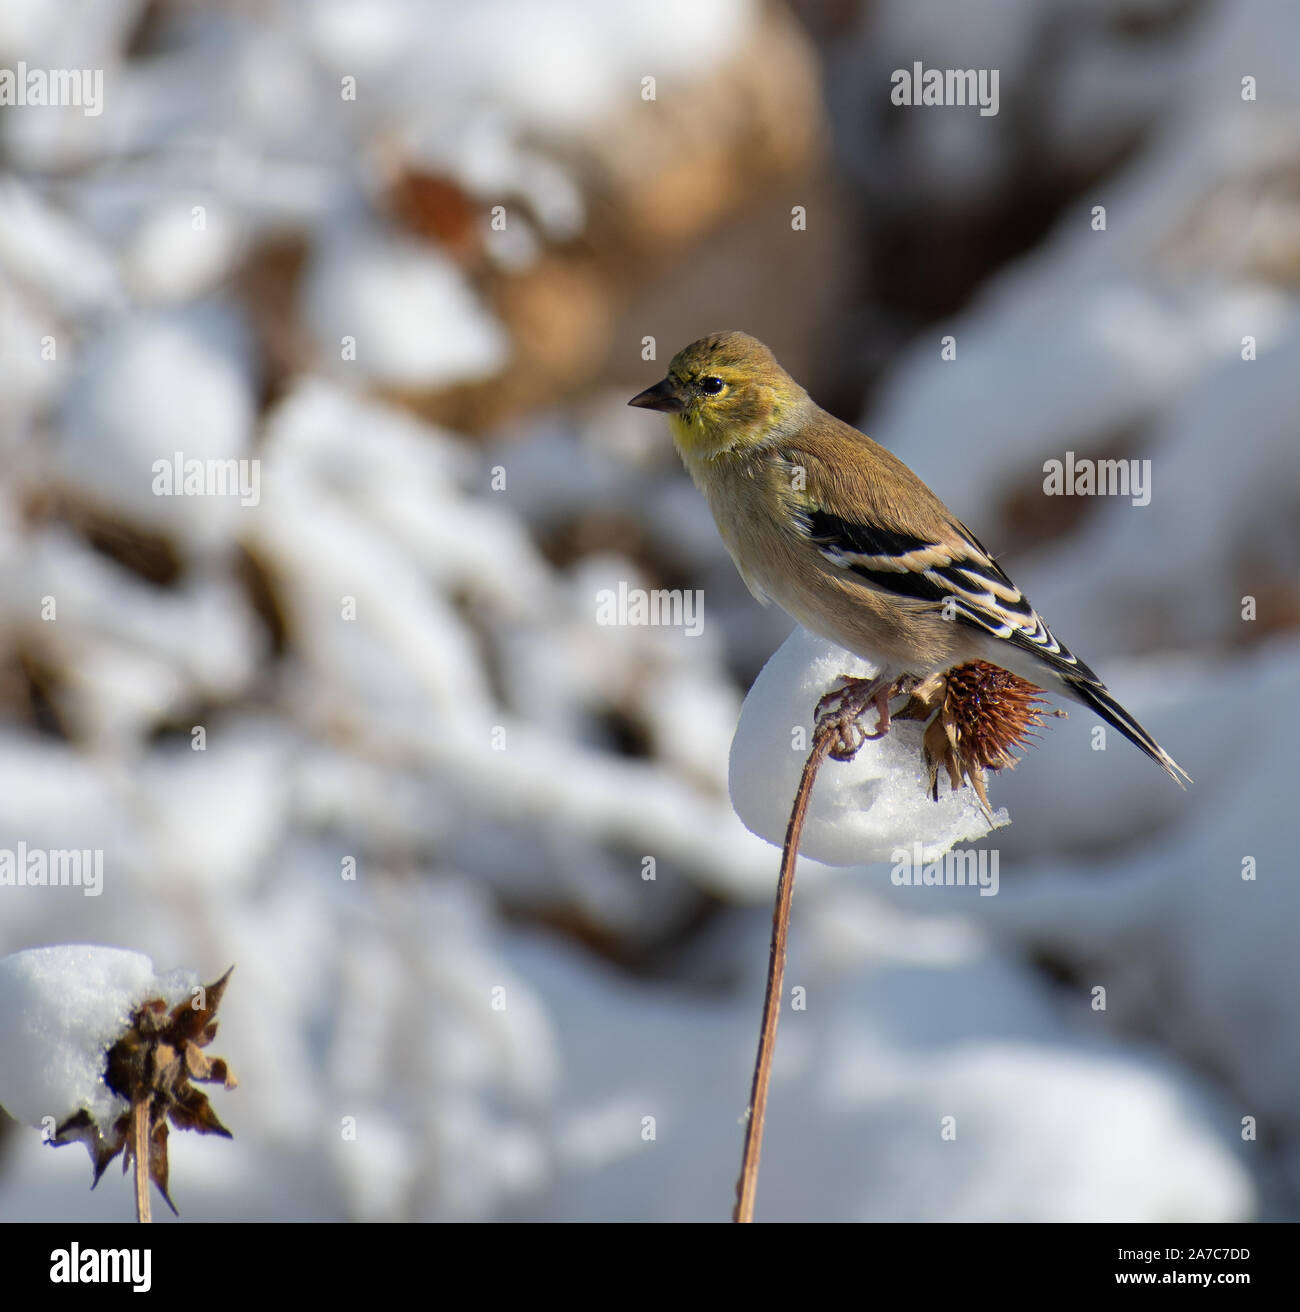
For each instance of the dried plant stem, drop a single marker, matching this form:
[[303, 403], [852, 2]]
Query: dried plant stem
[[140, 1147], [977, 713], [824, 738]]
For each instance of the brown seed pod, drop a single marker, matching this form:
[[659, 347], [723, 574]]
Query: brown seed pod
[[982, 713], [154, 1065]]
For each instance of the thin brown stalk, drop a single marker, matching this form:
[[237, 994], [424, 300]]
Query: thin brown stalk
[[140, 1147], [824, 738]]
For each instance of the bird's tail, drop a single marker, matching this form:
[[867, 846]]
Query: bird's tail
[[1098, 697]]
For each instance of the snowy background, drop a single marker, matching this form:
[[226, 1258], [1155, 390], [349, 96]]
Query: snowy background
[[238, 258]]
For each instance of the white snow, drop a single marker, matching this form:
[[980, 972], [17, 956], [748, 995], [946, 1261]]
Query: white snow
[[1047, 1124], [393, 301], [862, 811], [61, 1009], [153, 385], [181, 251]]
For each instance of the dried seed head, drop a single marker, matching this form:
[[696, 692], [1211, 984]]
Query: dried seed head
[[984, 714], [152, 1065]]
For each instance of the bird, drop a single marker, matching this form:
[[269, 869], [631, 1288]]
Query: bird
[[850, 543]]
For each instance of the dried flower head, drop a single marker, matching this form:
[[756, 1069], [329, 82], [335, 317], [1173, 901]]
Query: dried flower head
[[152, 1066], [981, 714]]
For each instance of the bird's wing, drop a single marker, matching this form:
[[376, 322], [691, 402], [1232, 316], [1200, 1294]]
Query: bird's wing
[[865, 512], [895, 535]]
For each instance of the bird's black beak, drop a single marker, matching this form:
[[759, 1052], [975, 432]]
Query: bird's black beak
[[662, 396]]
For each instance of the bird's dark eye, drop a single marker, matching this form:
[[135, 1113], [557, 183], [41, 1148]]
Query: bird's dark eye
[[711, 386]]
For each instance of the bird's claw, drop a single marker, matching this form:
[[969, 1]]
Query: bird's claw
[[841, 710]]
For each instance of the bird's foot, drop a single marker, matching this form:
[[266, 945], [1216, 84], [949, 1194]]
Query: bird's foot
[[841, 711]]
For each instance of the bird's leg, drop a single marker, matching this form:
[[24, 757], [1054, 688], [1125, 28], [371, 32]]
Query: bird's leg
[[843, 708]]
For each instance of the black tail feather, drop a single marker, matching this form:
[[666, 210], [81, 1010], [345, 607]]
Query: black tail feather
[[1098, 697]]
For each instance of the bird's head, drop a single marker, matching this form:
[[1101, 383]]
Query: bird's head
[[725, 392]]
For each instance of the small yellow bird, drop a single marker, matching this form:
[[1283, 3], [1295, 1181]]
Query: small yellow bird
[[847, 540]]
